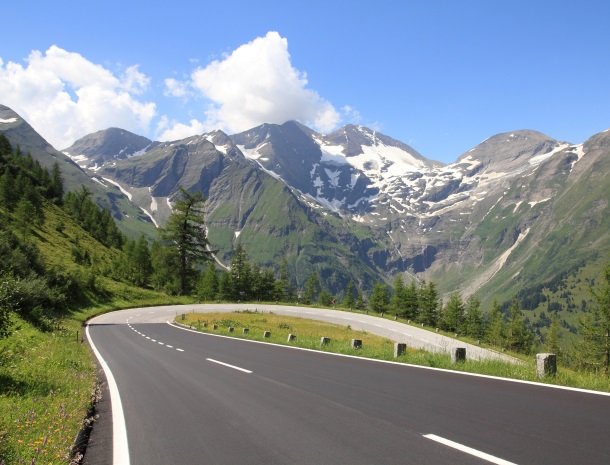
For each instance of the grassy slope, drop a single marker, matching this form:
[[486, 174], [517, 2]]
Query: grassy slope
[[47, 379]]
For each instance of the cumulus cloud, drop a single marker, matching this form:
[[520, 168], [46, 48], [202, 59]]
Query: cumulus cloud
[[172, 130], [65, 96], [176, 88], [256, 84]]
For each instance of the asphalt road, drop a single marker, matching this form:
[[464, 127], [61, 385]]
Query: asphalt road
[[191, 398]]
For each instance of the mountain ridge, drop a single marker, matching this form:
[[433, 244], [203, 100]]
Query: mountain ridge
[[490, 223]]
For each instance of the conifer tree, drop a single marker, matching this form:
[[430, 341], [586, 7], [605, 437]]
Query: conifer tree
[[185, 231], [495, 328], [398, 301], [379, 299], [348, 300], [474, 318], [453, 315], [208, 283], [593, 349], [428, 304], [518, 337], [241, 275], [312, 288]]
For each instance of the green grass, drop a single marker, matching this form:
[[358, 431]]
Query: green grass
[[309, 332], [48, 382]]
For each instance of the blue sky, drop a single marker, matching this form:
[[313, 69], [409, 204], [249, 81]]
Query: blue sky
[[438, 75]]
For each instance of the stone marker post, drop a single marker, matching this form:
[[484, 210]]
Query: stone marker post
[[546, 365], [458, 355], [399, 349], [356, 343]]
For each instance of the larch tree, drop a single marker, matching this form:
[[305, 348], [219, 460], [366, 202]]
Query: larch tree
[[186, 232]]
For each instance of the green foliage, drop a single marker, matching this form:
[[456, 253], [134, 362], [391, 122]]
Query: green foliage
[[518, 337], [379, 299], [495, 333], [453, 314], [428, 304], [207, 290], [349, 301], [185, 232], [312, 289], [93, 219], [474, 324], [593, 349]]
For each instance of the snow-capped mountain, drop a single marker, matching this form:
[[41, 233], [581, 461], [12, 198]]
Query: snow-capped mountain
[[516, 211], [95, 149], [344, 171]]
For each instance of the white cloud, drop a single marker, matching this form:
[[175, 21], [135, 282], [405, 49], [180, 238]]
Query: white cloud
[[173, 130], [65, 96], [176, 88], [257, 84]]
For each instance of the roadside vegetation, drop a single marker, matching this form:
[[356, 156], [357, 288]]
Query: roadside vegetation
[[64, 260], [308, 335]]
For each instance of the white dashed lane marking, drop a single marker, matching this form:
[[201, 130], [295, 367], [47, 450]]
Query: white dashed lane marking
[[153, 340]]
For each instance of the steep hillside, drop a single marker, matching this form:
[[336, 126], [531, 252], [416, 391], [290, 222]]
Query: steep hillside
[[520, 211], [249, 206], [20, 134]]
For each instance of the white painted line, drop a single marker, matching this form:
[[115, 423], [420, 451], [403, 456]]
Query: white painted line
[[468, 450], [120, 449], [180, 350], [153, 340], [161, 343], [167, 345], [228, 365], [147, 337], [409, 365]]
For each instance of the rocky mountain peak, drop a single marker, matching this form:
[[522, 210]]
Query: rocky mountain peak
[[109, 144]]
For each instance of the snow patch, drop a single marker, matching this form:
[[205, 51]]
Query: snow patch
[[517, 205], [535, 161], [8, 121], [150, 216], [237, 233], [536, 202], [124, 191]]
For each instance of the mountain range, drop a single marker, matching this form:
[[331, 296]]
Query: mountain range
[[518, 214]]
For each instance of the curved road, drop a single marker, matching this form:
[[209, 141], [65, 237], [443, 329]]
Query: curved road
[[192, 398]]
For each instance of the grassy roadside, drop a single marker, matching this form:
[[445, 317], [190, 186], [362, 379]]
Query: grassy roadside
[[309, 332], [48, 383]]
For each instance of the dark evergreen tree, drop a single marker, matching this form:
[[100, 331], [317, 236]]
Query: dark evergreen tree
[[593, 349], [185, 231], [241, 275], [453, 314], [379, 299], [518, 336], [496, 329], [474, 318], [283, 289], [349, 301], [428, 304], [312, 289], [398, 301], [208, 284]]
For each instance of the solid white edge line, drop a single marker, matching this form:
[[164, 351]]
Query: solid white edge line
[[120, 449], [389, 362], [468, 450], [228, 365]]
